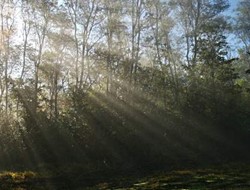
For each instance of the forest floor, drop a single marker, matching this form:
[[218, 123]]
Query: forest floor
[[231, 177]]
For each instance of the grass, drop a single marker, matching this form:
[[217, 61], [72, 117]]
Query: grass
[[229, 177], [233, 177]]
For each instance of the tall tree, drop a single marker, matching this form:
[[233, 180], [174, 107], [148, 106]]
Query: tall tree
[[242, 24], [42, 14], [137, 11], [194, 16], [26, 15], [54, 58], [7, 23], [159, 42], [86, 18]]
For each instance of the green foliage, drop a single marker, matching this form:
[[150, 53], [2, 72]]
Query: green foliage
[[242, 22]]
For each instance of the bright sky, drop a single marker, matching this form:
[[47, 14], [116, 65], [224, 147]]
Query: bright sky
[[233, 4], [233, 43]]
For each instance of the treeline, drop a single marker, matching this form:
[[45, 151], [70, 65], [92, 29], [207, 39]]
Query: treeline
[[113, 84]]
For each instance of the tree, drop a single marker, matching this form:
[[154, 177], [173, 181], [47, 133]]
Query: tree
[[86, 18], [194, 16], [42, 15], [242, 24], [161, 49], [205, 30], [26, 13], [7, 51], [137, 10]]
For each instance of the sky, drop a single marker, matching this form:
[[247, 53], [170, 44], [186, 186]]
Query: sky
[[233, 4], [233, 42]]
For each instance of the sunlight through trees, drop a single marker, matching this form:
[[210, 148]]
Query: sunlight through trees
[[123, 84]]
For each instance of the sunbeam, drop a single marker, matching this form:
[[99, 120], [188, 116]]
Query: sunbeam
[[114, 94]]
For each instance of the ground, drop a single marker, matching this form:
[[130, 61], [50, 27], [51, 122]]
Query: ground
[[231, 177]]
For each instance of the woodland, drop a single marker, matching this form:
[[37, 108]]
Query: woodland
[[115, 87]]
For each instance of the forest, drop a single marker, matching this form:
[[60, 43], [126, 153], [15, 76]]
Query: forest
[[115, 87]]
